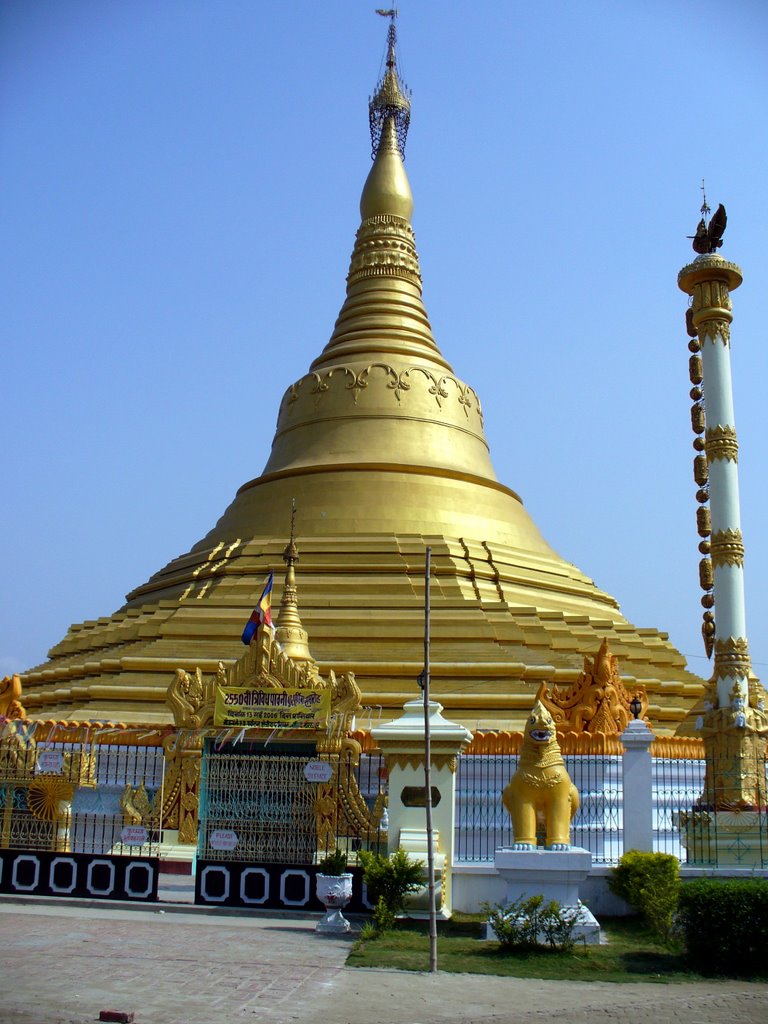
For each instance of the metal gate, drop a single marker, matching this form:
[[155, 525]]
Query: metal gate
[[268, 814]]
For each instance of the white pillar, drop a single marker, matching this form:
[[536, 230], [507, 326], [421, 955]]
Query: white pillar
[[637, 786], [402, 743], [709, 279]]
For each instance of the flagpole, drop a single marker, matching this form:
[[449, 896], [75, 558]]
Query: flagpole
[[428, 776]]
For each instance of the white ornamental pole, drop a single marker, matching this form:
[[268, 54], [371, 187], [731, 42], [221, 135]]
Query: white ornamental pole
[[735, 724], [710, 279]]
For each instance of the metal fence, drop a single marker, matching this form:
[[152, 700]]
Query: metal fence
[[483, 825], [683, 823], [81, 798]]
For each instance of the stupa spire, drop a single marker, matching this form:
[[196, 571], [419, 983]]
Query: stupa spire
[[383, 314], [289, 631], [392, 99]]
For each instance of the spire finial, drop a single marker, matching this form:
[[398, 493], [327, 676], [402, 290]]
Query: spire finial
[[709, 233], [392, 98], [705, 210], [291, 552]]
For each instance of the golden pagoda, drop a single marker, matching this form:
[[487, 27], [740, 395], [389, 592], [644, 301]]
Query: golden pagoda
[[382, 447]]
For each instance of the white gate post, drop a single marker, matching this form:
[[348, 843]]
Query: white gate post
[[637, 785]]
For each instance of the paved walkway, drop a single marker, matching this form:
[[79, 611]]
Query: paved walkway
[[64, 963]]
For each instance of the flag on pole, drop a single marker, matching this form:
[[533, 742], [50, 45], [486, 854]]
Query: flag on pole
[[261, 614]]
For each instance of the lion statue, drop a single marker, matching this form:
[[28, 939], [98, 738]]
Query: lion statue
[[540, 793]]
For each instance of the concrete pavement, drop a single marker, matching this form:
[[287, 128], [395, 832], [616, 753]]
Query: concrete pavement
[[62, 963]]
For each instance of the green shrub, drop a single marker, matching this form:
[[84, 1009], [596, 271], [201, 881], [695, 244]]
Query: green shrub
[[333, 863], [529, 922], [724, 924], [389, 881], [649, 882]]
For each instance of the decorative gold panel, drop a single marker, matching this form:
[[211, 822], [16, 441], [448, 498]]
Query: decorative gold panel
[[732, 657], [727, 548], [721, 443]]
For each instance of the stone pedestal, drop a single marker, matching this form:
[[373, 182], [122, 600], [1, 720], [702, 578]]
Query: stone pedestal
[[556, 875]]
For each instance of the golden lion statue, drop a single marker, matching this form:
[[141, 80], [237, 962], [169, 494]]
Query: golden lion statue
[[541, 792]]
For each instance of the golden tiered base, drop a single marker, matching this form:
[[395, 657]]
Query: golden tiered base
[[503, 620]]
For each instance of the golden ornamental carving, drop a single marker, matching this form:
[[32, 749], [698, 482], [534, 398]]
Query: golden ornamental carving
[[716, 329], [735, 749], [441, 387], [706, 574], [703, 521], [721, 443], [191, 698], [597, 702], [696, 369], [49, 797], [678, 747], [11, 707], [732, 657], [711, 310], [183, 752], [700, 470], [698, 418], [339, 806], [384, 246], [727, 548], [137, 808]]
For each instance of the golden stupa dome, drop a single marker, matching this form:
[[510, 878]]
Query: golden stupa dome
[[382, 447]]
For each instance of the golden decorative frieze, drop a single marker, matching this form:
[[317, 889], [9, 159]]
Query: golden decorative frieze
[[678, 747], [721, 443], [716, 330], [385, 246], [727, 548], [416, 761], [440, 386], [711, 306], [732, 657]]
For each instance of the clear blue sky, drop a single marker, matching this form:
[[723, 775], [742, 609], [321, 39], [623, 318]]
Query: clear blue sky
[[179, 182]]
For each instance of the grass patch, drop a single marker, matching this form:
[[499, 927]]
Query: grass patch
[[631, 953]]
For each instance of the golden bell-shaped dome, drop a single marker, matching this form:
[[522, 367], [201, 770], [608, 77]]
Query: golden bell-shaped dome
[[383, 449]]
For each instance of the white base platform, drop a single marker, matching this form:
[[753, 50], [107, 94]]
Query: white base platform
[[554, 874]]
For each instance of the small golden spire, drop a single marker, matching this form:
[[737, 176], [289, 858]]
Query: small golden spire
[[289, 632]]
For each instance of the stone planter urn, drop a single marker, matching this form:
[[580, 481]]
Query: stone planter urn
[[334, 892]]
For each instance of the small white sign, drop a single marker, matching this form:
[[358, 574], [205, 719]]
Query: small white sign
[[134, 835], [50, 761], [318, 771], [223, 839]]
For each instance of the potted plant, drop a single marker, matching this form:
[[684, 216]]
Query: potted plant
[[334, 890]]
